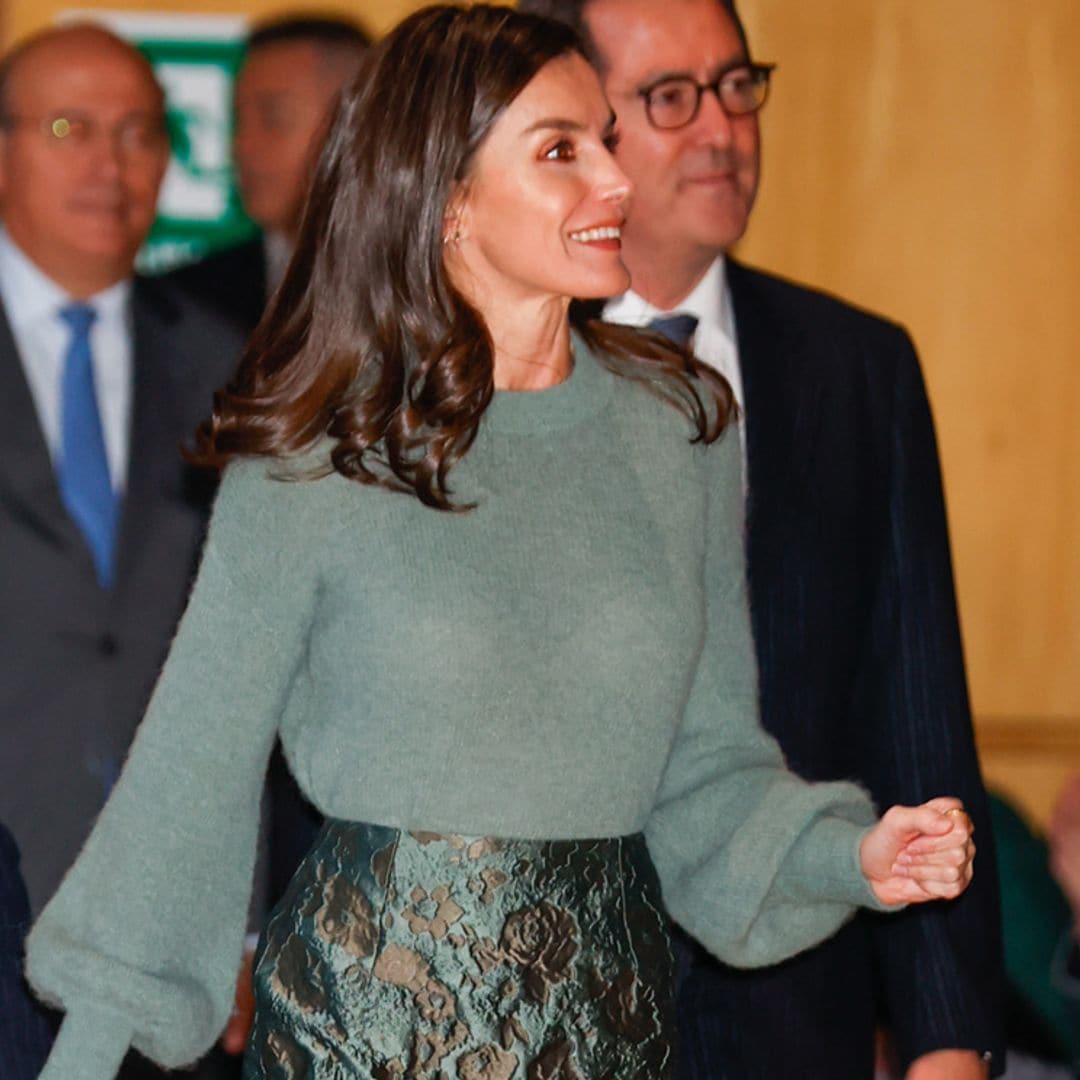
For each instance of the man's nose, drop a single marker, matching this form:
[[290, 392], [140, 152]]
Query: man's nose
[[713, 122], [108, 154]]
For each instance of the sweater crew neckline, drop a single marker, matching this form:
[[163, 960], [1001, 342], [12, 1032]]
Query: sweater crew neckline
[[582, 394]]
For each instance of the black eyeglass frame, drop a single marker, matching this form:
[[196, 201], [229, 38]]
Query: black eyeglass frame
[[761, 74]]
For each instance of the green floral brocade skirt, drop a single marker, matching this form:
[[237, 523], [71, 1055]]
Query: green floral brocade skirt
[[397, 954]]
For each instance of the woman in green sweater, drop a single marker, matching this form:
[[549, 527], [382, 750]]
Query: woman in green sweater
[[483, 575]]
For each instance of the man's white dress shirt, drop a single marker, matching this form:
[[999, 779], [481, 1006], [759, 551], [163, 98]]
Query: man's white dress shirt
[[32, 302]]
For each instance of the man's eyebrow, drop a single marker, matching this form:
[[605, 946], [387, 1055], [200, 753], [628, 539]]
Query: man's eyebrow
[[77, 112], [718, 72]]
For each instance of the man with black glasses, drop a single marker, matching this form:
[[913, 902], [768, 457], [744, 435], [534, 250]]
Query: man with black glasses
[[850, 582]]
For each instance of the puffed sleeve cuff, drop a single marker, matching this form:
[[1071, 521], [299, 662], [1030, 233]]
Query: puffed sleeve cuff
[[91, 1045], [829, 867]]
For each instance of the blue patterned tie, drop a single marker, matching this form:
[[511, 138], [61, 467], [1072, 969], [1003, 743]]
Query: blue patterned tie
[[678, 328], [83, 470]]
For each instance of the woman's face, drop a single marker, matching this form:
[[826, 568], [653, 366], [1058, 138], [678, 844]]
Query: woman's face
[[541, 211]]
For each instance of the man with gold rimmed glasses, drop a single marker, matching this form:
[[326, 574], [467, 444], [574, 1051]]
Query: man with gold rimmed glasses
[[102, 376], [850, 580], [134, 137]]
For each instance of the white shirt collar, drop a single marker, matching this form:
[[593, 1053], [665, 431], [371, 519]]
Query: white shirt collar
[[708, 301], [32, 301], [40, 297]]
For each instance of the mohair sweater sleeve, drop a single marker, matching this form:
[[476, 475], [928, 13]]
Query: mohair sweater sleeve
[[142, 942], [753, 862]]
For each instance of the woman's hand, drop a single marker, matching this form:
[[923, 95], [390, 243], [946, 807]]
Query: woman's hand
[[918, 853]]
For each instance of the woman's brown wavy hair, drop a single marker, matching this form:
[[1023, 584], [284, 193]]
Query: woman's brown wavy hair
[[366, 340]]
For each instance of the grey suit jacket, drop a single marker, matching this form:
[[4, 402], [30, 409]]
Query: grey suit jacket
[[79, 662]]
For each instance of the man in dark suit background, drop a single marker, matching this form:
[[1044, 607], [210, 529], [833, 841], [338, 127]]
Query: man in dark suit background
[[294, 68], [25, 1037], [850, 579], [102, 377]]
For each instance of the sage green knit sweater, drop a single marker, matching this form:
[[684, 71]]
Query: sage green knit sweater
[[570, 659]]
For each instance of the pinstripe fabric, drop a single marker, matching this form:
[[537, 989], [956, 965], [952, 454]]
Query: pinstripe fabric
[[862, 676], [24, 1032]]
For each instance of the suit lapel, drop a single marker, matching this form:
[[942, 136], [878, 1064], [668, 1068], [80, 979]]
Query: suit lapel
[[152, 447], [783, 400], [27, 478]]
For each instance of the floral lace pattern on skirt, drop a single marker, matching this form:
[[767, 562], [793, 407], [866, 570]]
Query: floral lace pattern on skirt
[[415, 955]]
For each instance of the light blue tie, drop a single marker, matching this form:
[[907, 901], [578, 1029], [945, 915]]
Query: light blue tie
[[83, 470], [678, 328]]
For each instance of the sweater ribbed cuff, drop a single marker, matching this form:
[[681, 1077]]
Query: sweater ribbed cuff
[[91, 1045], [828, 867], [867, 897]]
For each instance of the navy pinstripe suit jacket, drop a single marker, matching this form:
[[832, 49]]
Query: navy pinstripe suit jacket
[[862, 676]]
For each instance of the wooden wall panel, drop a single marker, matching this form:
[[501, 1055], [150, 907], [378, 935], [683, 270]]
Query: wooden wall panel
[[1030, 761], [921, 159]]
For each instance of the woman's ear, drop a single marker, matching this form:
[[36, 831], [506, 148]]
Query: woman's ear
[[456, 216]]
